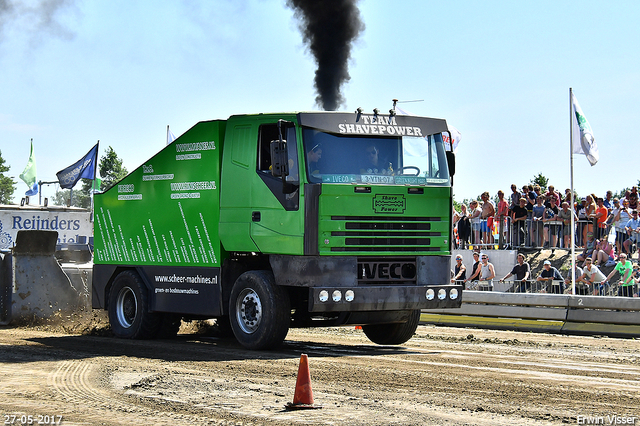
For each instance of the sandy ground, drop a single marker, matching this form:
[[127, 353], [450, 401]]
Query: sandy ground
[[76, 372]]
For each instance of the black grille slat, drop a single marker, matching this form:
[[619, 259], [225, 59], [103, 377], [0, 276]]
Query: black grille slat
[[387, 241], [388, 218], [399, 226], [377, 248], [386, 233]]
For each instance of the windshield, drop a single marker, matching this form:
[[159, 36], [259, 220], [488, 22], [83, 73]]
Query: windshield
[[406, 160]]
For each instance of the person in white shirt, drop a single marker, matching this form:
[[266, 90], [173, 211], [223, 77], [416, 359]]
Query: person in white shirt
[[620, 214], [476, 221], [487, 273], [633, 229], [591, 275]]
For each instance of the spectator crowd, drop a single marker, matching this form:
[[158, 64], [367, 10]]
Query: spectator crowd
[[606, 232]]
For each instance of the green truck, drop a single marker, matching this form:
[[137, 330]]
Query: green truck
[[271, 221]]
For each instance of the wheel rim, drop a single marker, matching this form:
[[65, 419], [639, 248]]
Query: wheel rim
[[248, 310], [126, 307]]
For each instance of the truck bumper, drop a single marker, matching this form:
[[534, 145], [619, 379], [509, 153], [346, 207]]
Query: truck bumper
[[384, 298]]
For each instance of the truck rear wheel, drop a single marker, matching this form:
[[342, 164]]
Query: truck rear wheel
[[393, 334], [128, 314], [259, 310]]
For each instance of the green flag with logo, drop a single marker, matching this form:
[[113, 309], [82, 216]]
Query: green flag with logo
[[29, 174], [583, 140]]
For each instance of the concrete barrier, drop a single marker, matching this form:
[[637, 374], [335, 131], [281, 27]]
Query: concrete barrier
[[6, 288], [619, 316], [40, 288]]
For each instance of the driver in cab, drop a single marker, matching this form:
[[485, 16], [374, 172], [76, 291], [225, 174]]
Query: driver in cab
[[373, 164], [313, 157]]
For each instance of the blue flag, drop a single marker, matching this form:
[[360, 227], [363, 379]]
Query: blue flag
[[85, 168], [33, 191]]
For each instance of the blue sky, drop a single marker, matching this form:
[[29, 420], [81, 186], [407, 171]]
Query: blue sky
[[499, 71]]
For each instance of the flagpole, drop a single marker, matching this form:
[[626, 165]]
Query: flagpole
[[93, 184], [573, 229], [95, 166]]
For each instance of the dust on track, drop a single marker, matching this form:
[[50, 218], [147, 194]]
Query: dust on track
[[442, 375]]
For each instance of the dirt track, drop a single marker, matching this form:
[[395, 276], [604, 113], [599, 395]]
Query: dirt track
[[442, 375]]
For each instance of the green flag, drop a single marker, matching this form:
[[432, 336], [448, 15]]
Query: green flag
[[97, 184], [29, 173]]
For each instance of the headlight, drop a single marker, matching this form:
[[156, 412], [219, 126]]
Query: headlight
[[430, 294], [453, 294], [336, 296], [323, 296], [442, 294], [349, 296]]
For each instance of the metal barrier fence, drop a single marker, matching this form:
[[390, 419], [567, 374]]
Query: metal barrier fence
[[504, 233], [605, 289]]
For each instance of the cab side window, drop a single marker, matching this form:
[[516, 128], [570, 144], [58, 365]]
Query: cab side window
[[268, 133], [289, 196]]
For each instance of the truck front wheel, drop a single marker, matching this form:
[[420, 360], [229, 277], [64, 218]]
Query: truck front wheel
[[259, 310], [393, 334], [128, 314]]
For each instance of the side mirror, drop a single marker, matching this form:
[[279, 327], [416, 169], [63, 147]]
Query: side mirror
[[279, 158], [451, 163]]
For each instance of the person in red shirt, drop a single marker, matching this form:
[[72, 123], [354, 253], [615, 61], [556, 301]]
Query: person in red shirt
[[552, 193], [501, 214], [600, 215]]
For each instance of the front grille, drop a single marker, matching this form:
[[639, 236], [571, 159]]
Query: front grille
[[391, 234]]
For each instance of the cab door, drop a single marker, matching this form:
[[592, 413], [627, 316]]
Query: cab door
[[257, 214]]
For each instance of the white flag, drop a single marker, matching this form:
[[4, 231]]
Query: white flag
[[455, 133], [170, 136], [400, 111], [583, 140], [456, 136], [451, 143]]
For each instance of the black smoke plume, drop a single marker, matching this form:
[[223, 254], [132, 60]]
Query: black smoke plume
[[37, 19], [328, 28], [6, 9]]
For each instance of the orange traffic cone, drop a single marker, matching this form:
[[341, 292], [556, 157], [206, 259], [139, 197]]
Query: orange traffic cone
[[303, 397]]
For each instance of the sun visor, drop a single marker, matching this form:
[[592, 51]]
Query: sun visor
[[372, 124]]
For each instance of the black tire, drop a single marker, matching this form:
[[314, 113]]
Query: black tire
[[259, 311], [128, 308], [169, 326], [393, 334]]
